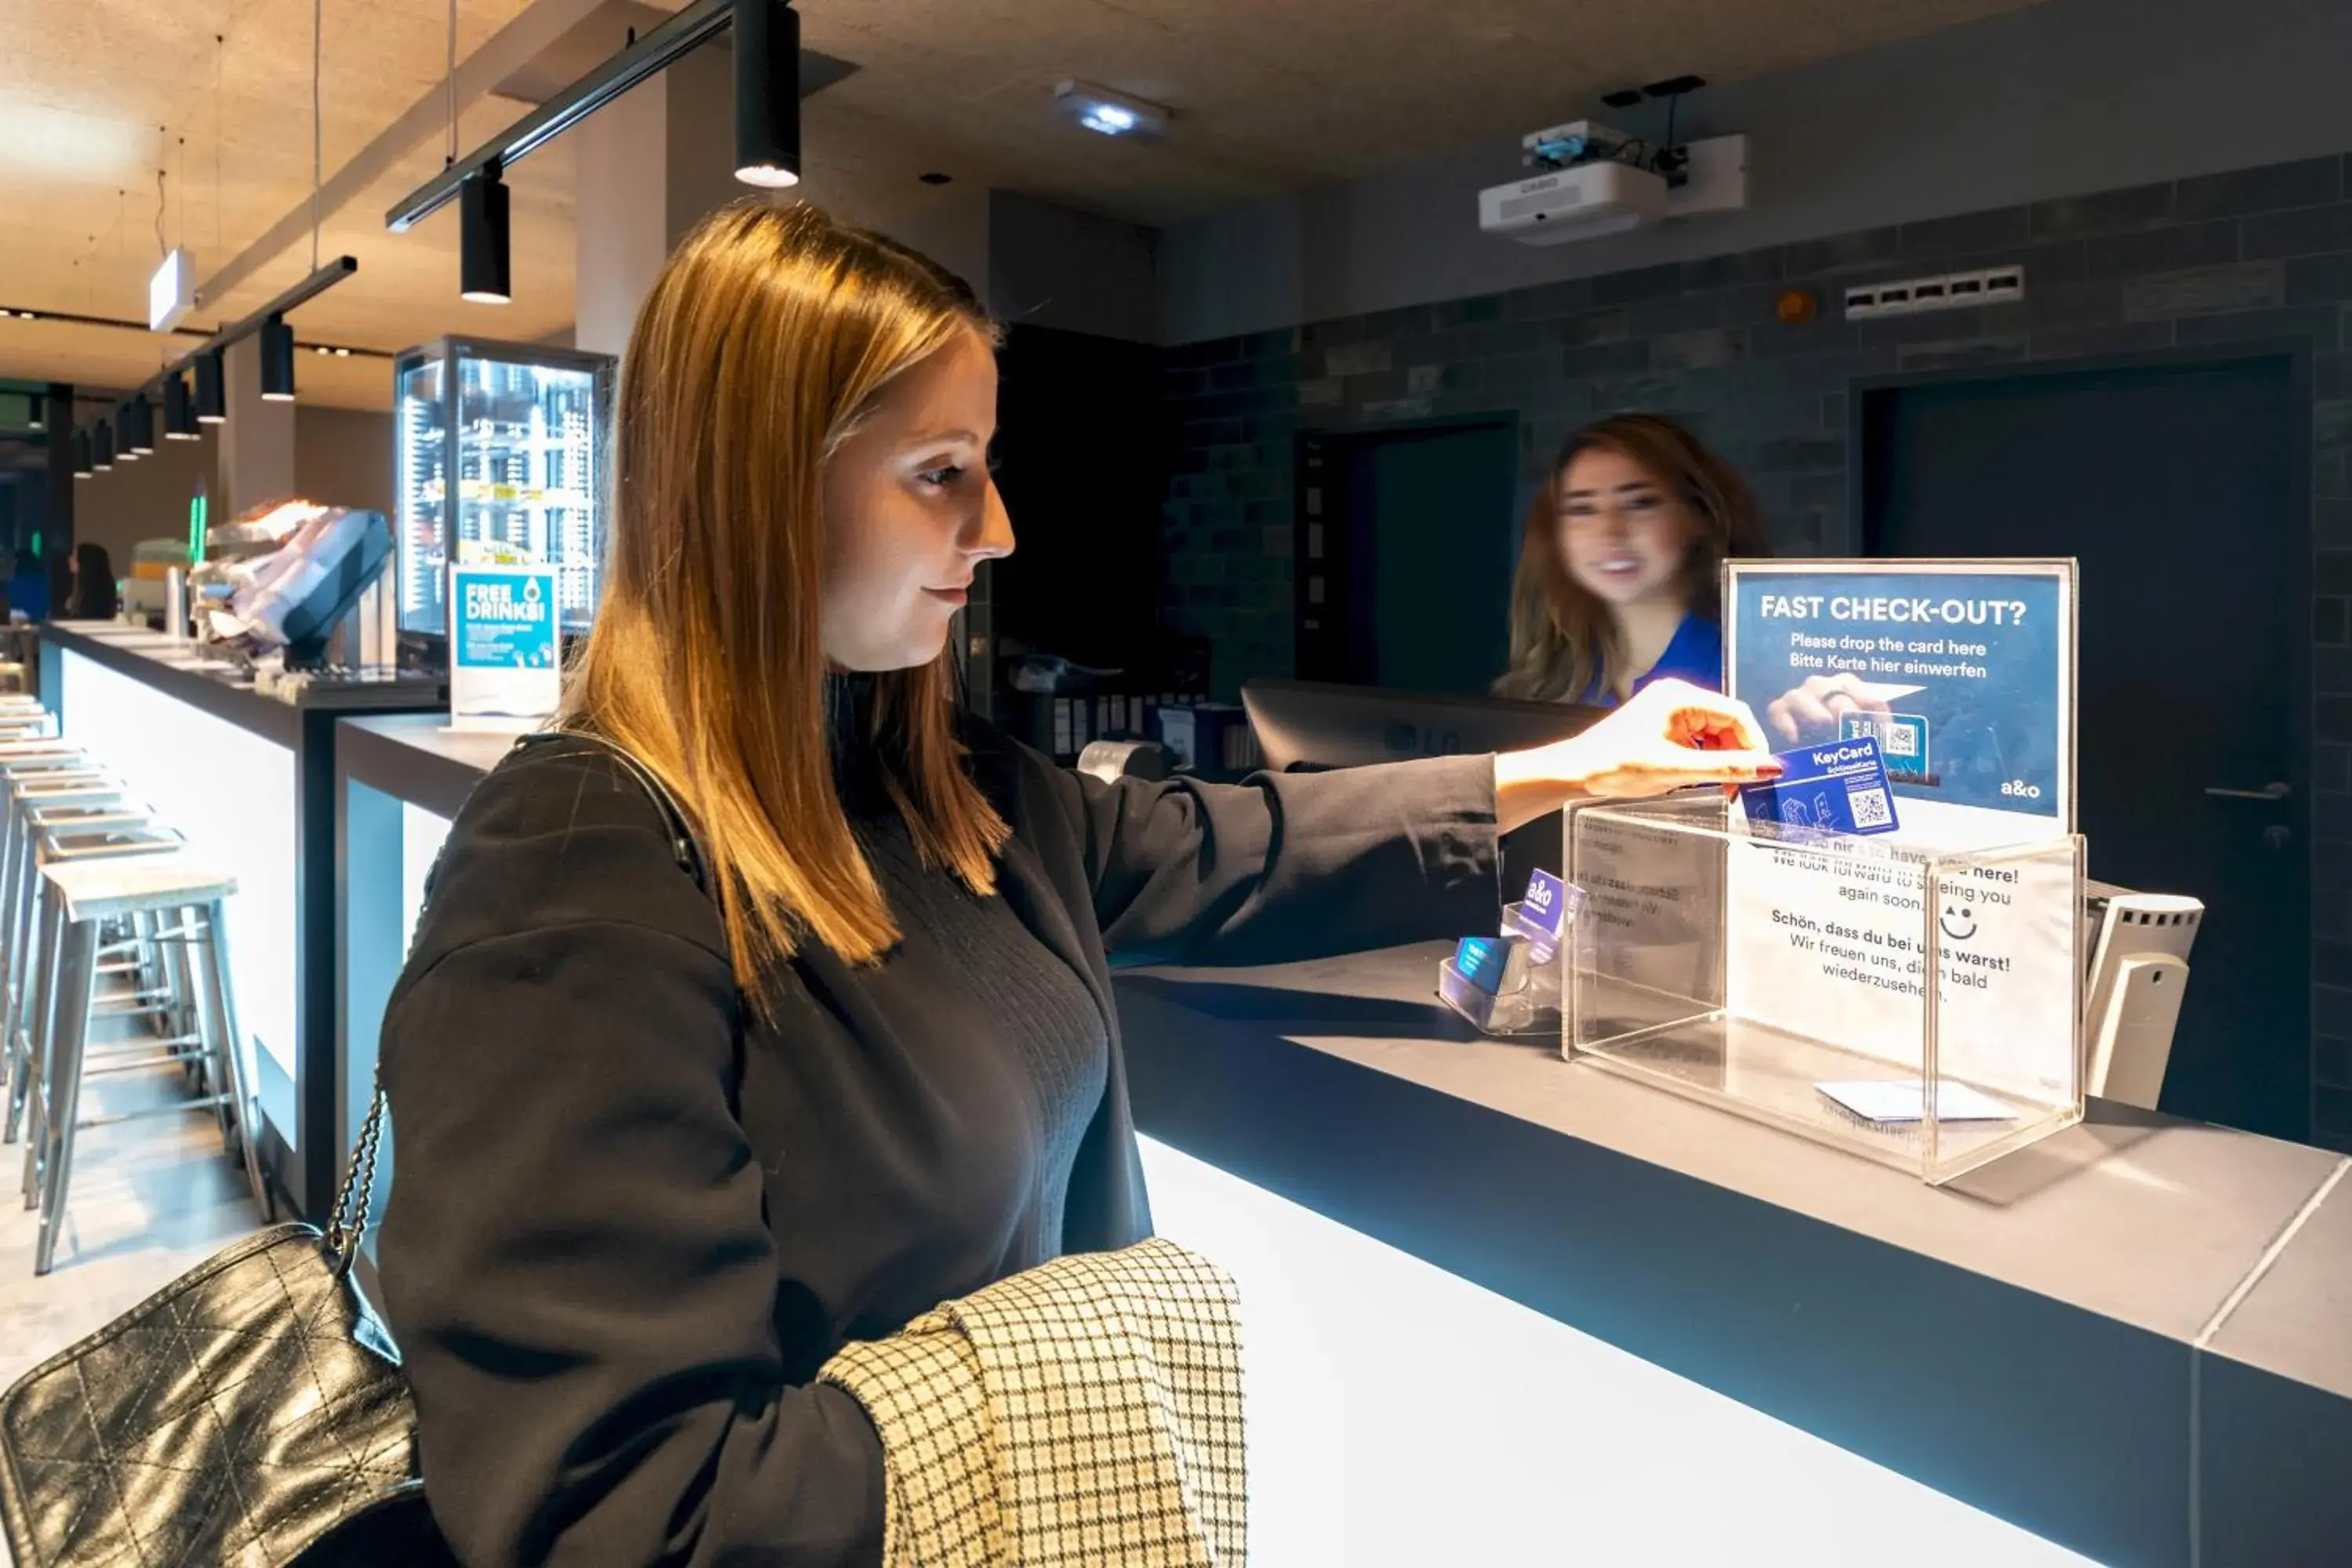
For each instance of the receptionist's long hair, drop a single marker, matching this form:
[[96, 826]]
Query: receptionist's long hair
[[1564, 641], [766, 338]]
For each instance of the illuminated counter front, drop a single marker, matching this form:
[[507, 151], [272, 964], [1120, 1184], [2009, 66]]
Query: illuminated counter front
[[1498, 1309], [2132, 1340], [246, 779]]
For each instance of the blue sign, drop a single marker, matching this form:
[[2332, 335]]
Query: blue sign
[[504, 619], [1961, 673]]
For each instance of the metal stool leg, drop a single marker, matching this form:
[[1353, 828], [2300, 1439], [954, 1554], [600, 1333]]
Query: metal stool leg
[[24, 1020], [76, 982], [227, 1053], [40, 1032], [14, 891]]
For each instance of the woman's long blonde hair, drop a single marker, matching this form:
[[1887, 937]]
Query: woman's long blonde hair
[[766, 338], [1564, 641]]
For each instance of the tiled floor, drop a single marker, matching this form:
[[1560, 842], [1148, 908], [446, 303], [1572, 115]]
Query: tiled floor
[[150, 1200]]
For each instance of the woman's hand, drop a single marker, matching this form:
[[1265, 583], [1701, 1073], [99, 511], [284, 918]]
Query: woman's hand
[[1671, 736], [1814, 707]]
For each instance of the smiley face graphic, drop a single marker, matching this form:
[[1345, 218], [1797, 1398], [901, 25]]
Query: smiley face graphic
[[1958, 921]]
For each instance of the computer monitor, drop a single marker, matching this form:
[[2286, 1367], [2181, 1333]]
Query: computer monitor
[[1314, 725]]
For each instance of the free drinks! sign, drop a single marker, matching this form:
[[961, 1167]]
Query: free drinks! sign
[[505, 663]]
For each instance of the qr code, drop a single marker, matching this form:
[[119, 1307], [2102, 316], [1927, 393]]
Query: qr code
[[1897, 739], [1870, 809]]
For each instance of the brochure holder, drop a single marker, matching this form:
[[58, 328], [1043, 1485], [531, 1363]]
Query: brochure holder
[[1776, 973], [1529, 1008]]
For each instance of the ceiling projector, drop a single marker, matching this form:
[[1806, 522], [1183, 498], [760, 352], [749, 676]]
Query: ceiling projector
[[1595, 181]]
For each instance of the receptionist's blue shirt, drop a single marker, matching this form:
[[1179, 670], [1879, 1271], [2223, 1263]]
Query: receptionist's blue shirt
[[1694, 654]]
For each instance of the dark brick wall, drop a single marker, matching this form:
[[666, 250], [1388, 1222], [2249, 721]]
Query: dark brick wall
[[2259, 253]]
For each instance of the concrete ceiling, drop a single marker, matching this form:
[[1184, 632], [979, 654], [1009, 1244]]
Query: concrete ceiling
[[95, 94]]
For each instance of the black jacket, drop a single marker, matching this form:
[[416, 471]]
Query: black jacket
[[629, 1222]]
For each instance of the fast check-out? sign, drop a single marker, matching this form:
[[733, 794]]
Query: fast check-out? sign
[[505, 662]]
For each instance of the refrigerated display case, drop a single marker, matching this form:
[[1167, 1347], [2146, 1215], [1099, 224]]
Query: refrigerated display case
[[500, 453]]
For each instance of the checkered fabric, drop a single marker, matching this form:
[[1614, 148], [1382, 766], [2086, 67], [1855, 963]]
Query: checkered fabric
[[1087, 1412]]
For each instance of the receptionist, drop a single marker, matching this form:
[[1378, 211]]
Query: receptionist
[[1617, 583]]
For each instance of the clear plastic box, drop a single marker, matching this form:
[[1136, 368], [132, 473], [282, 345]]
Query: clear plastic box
[[1776, 973]]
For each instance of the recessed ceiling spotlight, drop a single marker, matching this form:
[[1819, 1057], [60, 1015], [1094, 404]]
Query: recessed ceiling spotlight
[[1109, 114]]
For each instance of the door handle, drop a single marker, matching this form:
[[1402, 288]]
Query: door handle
[[2272, 791]]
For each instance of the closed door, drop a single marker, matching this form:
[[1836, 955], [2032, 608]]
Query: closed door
[[2180, 489], [1407, 540]]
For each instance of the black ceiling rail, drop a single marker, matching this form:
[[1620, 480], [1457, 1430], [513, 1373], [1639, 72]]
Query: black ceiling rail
[[125, 324], [648, 58], [317, 283], [310, 288]]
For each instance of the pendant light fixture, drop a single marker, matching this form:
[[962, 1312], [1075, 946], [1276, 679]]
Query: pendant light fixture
[[81, 454], [102, 448], [484, 275], [767, 93], [277, 361], [178, 413], [138, 428], [212, 389]]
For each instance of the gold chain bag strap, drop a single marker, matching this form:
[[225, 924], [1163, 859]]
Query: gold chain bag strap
[[252, 1414]]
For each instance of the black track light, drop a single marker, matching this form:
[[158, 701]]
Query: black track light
[[178, 413], [484, 275], [277, 361], [81, 454], [212, 389], [138, 428], [102, 448], [767, 93]]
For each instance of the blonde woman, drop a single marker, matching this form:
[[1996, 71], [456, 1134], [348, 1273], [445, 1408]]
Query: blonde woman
[[661, 1153], [1617, 577]]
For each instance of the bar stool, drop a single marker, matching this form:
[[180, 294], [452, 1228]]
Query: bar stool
[[162, 986], [82, 897], [101, 826], [48, 769], [22, 793], [27, 726]]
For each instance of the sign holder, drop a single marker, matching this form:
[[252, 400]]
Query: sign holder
[[506, 668], [1963, 672]]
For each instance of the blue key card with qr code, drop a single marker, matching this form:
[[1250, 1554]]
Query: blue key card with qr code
[[1836, 787]]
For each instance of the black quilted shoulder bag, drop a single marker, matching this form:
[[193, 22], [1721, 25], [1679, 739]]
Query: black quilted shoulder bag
[[252, 1414]]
